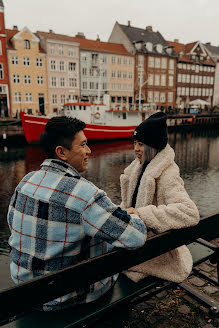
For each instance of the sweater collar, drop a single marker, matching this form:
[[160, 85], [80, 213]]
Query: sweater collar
[[60, 166]]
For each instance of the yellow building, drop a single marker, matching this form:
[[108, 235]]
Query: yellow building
[[27, 72]]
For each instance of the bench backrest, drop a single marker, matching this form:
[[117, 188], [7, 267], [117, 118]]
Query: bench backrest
[[25, 297]]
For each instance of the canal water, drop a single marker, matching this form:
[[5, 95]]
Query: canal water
[[197, 154]]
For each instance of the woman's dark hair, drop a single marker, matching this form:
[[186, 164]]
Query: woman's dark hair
[[59, 131]]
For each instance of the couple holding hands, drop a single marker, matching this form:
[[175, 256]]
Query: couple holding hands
[[58, 218]]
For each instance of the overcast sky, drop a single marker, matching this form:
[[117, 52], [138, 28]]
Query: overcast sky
[[186, 20]]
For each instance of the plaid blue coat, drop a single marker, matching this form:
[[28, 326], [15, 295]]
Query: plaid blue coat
[[57, 219]]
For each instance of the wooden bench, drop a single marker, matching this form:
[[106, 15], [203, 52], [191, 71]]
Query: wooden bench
[[20, 302]]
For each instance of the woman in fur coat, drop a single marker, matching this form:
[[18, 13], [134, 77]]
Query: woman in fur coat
[[151, 187]]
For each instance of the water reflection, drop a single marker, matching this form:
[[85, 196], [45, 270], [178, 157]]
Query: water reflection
[[197, 154]]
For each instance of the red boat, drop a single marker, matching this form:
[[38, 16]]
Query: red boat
[[101, 123]]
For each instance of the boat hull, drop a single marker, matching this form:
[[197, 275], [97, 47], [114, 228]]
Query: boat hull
[[33, 126]]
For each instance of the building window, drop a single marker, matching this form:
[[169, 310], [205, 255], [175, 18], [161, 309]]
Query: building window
[[204, 79], [113, 74], [163, 63], [140, 61], [1, 72], [53, 82], [62, 82], [72, 82], [27, 79], [26, 61], [39, 79], [162, 97], [61, 65], [53, 65], [208, 79], [199, 91], [119, 74], [61, 50], [39, 62], [130, 75], [151, 79], [171, 64], [124, 60], [156, 96], [150, 61], [179, 65], [113, 59], [191, 91], [212, 80], [183, 91], [200, 79], [170, 80], [62, 99], [84, 71], [157, 62], [28, 97], [119, 60], [72, 52], [187, 78], [187, 91], [192, 78], [91, 85], [17, 97], [72, 67], [178, 91], [163, 80], [130, 61], [157, 79], [84, 85], [183, 78], [179, 78], [170, 96], [124, 75], [26, 44], [54, 99], [14, 60], [150, 96], [52, 49], [16, 78]]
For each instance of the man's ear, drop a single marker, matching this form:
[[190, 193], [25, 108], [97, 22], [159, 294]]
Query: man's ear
[[61, 153]]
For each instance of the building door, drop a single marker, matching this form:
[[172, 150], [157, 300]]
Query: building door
[[3, 106], [41, 104]]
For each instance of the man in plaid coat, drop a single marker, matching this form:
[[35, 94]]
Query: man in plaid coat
[[57, 218]]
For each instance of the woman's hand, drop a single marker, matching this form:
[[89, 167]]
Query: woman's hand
[[132, 210]]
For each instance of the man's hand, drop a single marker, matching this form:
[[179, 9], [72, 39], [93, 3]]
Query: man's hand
[[132, 210]]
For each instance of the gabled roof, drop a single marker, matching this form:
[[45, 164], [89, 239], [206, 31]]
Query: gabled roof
[[11, 33], [183, 50], [86, 44], [136, 34]]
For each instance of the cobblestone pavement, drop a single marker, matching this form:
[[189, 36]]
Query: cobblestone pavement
[[172, 308]]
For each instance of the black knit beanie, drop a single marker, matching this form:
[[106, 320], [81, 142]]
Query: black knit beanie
[[153, 131]]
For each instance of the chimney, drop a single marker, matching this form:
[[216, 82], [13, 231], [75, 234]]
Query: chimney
[[149, 29], [129, 23], [98, 38], [80, 35], [15, 27], [51, 31], [176, 40], [208, 43]]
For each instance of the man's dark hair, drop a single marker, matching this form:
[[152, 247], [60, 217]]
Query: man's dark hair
[[59, 131]]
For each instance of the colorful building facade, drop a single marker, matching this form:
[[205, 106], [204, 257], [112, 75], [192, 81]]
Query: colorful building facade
[[195, 75], [155, 64], [27, 72], [62, 69]]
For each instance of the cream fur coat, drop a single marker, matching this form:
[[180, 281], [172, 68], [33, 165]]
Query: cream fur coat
[[163, 204]]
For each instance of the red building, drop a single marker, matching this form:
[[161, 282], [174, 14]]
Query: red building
[[5, 108], [195, 76]]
